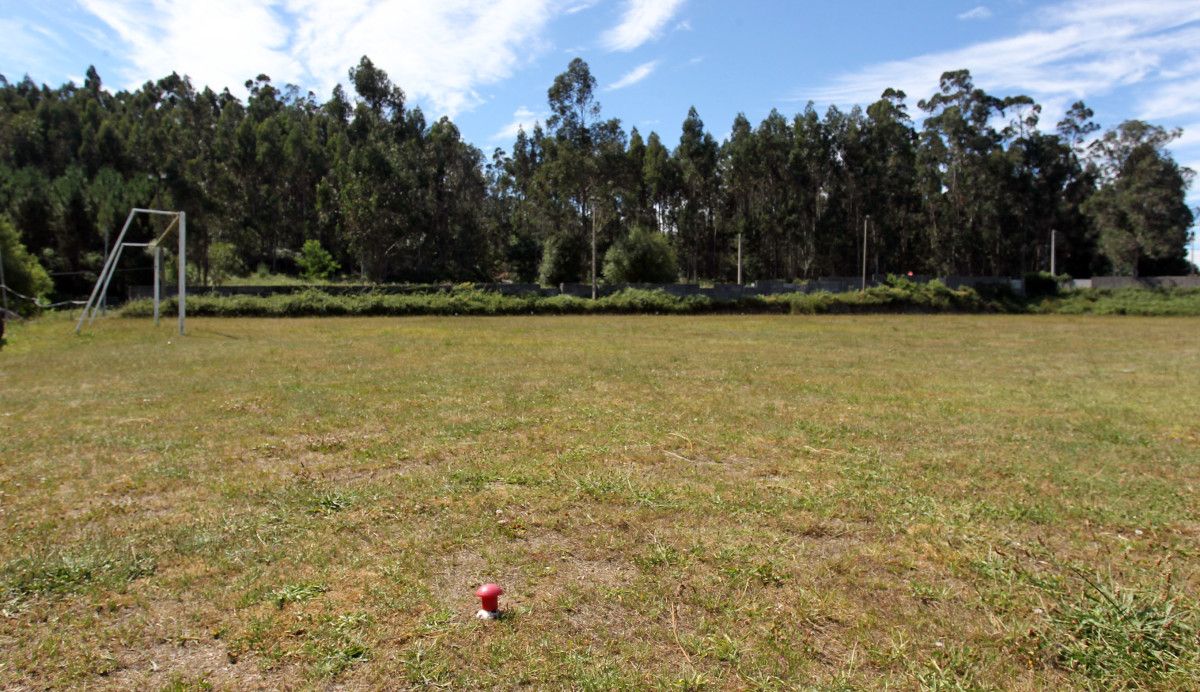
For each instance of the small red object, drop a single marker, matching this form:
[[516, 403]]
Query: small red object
[[489, 596]]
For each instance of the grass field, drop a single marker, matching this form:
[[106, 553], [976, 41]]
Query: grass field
[[721, 501]]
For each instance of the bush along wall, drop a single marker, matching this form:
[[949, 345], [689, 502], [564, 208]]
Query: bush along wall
[[896, 296]]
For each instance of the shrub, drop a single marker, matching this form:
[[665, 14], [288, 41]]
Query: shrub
[[1042, 284], [224, 262], [643, 256], [22, 272], [560, 260], [1178, 302], [933, 297], [316, 264]]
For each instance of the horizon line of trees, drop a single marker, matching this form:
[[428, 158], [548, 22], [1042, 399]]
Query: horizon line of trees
[[976, 189]]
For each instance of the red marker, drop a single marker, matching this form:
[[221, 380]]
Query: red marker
[[489, 601]]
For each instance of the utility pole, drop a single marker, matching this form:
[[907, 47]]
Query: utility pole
[[866, 221], [593, 252], [1053, 264]]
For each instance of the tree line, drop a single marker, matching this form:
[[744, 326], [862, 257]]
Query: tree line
[[370, 185]]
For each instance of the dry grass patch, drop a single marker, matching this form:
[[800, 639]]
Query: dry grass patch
[[719, 501]]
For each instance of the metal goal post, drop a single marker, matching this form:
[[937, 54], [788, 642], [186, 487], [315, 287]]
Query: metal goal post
[[100, 290]]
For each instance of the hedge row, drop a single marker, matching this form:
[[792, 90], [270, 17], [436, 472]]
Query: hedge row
[[903, 297], [1173, 302]]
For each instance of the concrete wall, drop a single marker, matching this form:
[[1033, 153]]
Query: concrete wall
[[1112, 282]]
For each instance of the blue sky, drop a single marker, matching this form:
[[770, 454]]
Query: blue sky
[[487, 63]]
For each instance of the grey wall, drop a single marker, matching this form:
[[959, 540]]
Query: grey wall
[[1146, 282]]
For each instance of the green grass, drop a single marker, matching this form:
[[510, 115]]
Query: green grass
[[723, 501]]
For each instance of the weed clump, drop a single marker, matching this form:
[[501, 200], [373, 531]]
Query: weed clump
[[59, 574], [1115, 635], [296, 593]]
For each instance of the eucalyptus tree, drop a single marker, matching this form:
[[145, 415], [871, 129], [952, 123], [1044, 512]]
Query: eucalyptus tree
[[811, 164], [893, 200], [980, 189], [776, 194], [966, 171], [664, 183], [1140, 208], [738, 171], [697, 234]]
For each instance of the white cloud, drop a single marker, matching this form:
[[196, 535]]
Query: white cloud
[[1081, 49], [440, 52], [641, 21], [219, 43], [443, 51], [977, 13], [634, 76], [523, 119]]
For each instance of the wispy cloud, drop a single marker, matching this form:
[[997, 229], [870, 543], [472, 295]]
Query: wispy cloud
[[1171, 100], [641, 21], [24, 40], [634, 76], [523, 119], [580, 6], [1082, 48], [440, 52], [977, 13]]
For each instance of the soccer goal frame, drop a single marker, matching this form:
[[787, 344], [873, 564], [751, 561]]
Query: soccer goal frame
[[100, 291]]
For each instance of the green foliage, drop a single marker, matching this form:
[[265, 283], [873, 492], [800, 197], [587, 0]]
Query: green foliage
[[22, 271], [1117, 635], [902, 296], [560, 261], [643, 256], [316, 263], [1042, 284], [1146, 302], [976, 189], [899, 295], [459, 302], [61, 573], [223, 263], [1141, 211], [296, 593]]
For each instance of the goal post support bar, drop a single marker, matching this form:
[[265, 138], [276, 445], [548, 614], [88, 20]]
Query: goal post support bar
[[100, 290]]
